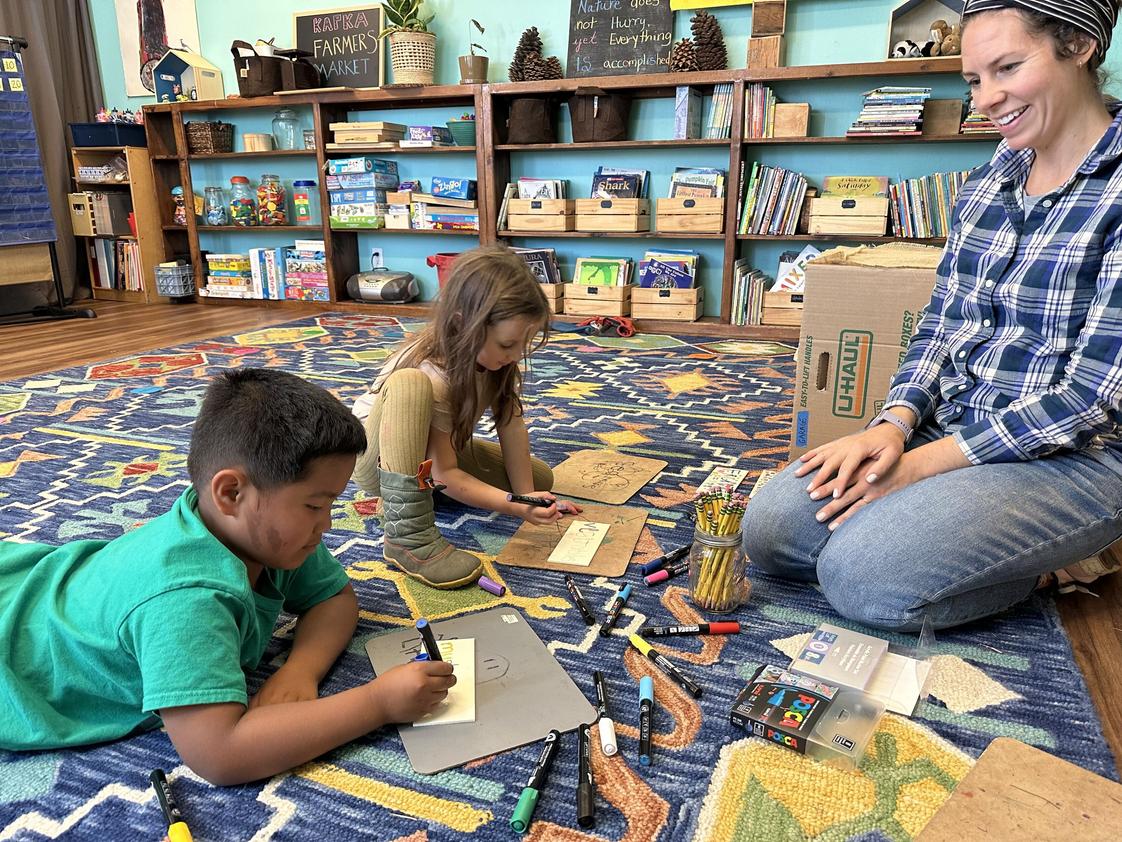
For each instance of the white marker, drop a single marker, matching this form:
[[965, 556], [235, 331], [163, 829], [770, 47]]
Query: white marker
[[607, 727]]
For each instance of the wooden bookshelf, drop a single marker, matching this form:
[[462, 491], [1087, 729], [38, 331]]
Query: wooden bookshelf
[[493, 166]]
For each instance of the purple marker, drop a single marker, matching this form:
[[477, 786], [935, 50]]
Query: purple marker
[[491, 586]]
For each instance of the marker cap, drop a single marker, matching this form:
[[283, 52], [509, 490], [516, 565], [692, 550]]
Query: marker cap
[[640, 644], [524, 810], [178, 832], [646, 689], [728, 627], [608, 736], [651, 566], [624, 592], [491, 586], [656, 577]]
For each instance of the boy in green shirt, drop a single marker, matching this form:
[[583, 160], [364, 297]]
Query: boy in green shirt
[[106, 638]]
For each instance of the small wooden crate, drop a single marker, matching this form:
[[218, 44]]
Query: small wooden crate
[[555, 295], [864, 215], [540, 222], [792, 119], [769, 17], [782, 308], [613, 215], [670, 303], [765, 51], [595, 300], [700, 215]]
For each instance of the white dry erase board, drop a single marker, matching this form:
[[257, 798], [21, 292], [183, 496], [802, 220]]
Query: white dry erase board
[[521, 692]]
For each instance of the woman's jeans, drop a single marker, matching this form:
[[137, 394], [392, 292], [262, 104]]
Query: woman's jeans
[[954, 547]]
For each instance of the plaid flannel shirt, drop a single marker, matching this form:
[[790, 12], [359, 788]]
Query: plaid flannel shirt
[[1019, 352]]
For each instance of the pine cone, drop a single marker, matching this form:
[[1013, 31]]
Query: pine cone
[[530, 42], [709, 42], [683, 57], [538, 69]]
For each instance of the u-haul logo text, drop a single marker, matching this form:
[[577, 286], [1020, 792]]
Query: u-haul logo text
[[851, 380]]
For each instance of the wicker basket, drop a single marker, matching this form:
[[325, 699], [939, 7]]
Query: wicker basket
[[209, 137], [413, 57]]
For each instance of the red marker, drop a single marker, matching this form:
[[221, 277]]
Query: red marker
[[702, 628]]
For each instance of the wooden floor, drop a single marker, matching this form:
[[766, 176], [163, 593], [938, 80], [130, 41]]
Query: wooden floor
[[1094, 624]]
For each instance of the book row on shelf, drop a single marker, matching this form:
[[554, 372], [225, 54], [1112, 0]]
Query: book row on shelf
[[115, 264], [296, 273]]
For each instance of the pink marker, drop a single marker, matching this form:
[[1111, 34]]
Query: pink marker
[[667, 573]]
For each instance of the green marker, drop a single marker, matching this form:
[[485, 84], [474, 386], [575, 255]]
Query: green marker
[[528, 800]]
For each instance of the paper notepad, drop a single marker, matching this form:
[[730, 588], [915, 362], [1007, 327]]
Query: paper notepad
[[459, 705], [579, 544], [720, 477]]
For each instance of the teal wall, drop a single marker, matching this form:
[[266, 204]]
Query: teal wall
[[818, 32]]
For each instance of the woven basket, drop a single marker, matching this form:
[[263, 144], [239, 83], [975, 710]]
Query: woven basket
[[208, 137], [412, 56]]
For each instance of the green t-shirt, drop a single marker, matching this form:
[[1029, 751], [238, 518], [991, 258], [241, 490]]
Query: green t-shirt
[[100, 635]]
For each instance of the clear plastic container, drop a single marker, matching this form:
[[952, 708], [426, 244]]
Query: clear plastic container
[[271, 205], [718, 572], [305, 202], [214, 207], [243, 204], [287, 133]]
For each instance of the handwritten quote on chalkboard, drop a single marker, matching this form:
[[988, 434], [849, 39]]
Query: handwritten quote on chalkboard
[[619, 37], [343, 43]]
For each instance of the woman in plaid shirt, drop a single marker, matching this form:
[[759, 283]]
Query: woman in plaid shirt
[[1012, 384]]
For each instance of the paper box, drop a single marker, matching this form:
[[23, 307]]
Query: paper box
[[856, 325], [452, 188], [182, 75], [687, 113]]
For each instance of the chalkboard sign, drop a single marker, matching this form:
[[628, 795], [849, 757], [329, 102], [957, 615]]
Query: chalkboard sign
[[343, 43], [619, 37]]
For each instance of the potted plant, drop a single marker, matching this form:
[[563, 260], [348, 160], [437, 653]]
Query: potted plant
[[412, 45], [473, 68]]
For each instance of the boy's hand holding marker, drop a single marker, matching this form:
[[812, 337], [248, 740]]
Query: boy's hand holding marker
[[541, 508], [409, 691]]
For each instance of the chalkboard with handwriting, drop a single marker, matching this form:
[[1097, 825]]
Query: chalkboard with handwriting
[[343, 43], [619, 37]]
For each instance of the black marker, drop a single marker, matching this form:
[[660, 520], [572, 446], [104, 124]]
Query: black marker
[[428, 640], [578, 601], [668, 558], [177, 828], [607, 726], [646, 702], [668, 572], [540, 502], [524, 809], [664, 664], [614, 609], [586, 787]]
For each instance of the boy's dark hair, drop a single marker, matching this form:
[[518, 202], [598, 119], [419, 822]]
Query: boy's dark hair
[[270, 423]]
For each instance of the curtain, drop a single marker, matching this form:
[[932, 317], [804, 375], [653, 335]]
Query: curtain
[[64, 86]]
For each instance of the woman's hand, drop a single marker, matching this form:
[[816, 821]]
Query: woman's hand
[[863, 457], [908, 468]]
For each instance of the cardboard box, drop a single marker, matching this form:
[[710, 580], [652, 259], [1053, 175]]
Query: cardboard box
[[447, 187], [856, 325], [182, 75], [700, 215], [866, 215], [671, 303]]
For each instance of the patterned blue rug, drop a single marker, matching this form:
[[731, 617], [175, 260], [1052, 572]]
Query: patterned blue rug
[[88, 452]]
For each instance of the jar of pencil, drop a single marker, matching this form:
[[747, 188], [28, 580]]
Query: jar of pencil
[[718, 568]]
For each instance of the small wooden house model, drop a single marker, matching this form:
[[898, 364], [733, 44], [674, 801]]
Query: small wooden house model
[[182, 75], [911, 20]]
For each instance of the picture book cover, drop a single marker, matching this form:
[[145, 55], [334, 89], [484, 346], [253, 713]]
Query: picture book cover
[[615, 186], [600, 271], [855, 186]]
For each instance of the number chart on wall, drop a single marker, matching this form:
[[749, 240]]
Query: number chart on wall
[[25, 207], [619, 37]]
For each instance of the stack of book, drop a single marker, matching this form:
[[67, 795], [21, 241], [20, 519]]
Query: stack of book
[[602, 271], [541, 188], [116, 264], [748, 287], [695, 182], [423, 137], [921, 207], [228, 276], [267, 267], [665, 268], [773, 201], [439, 213], [977, 123], [891, 111], [542, 263], [305, 271], [618, 183], [720, 113], [373, 133], [759, 111]]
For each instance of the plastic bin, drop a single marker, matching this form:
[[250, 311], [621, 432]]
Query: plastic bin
[[175, 281], [463, 132], [108, 134], [443, 261]]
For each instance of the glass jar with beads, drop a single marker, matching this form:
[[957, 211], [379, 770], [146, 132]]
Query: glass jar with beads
[[718, 567]]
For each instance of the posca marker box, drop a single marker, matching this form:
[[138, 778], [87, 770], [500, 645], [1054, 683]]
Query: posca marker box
[[823, 721]]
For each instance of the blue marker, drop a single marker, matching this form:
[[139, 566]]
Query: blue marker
[[646, 702], [428, 640], [614, 609], [663, 560]]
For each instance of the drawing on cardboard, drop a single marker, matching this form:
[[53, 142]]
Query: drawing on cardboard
[[459, 704], [579, 543], [604, 475], [533, 546]]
